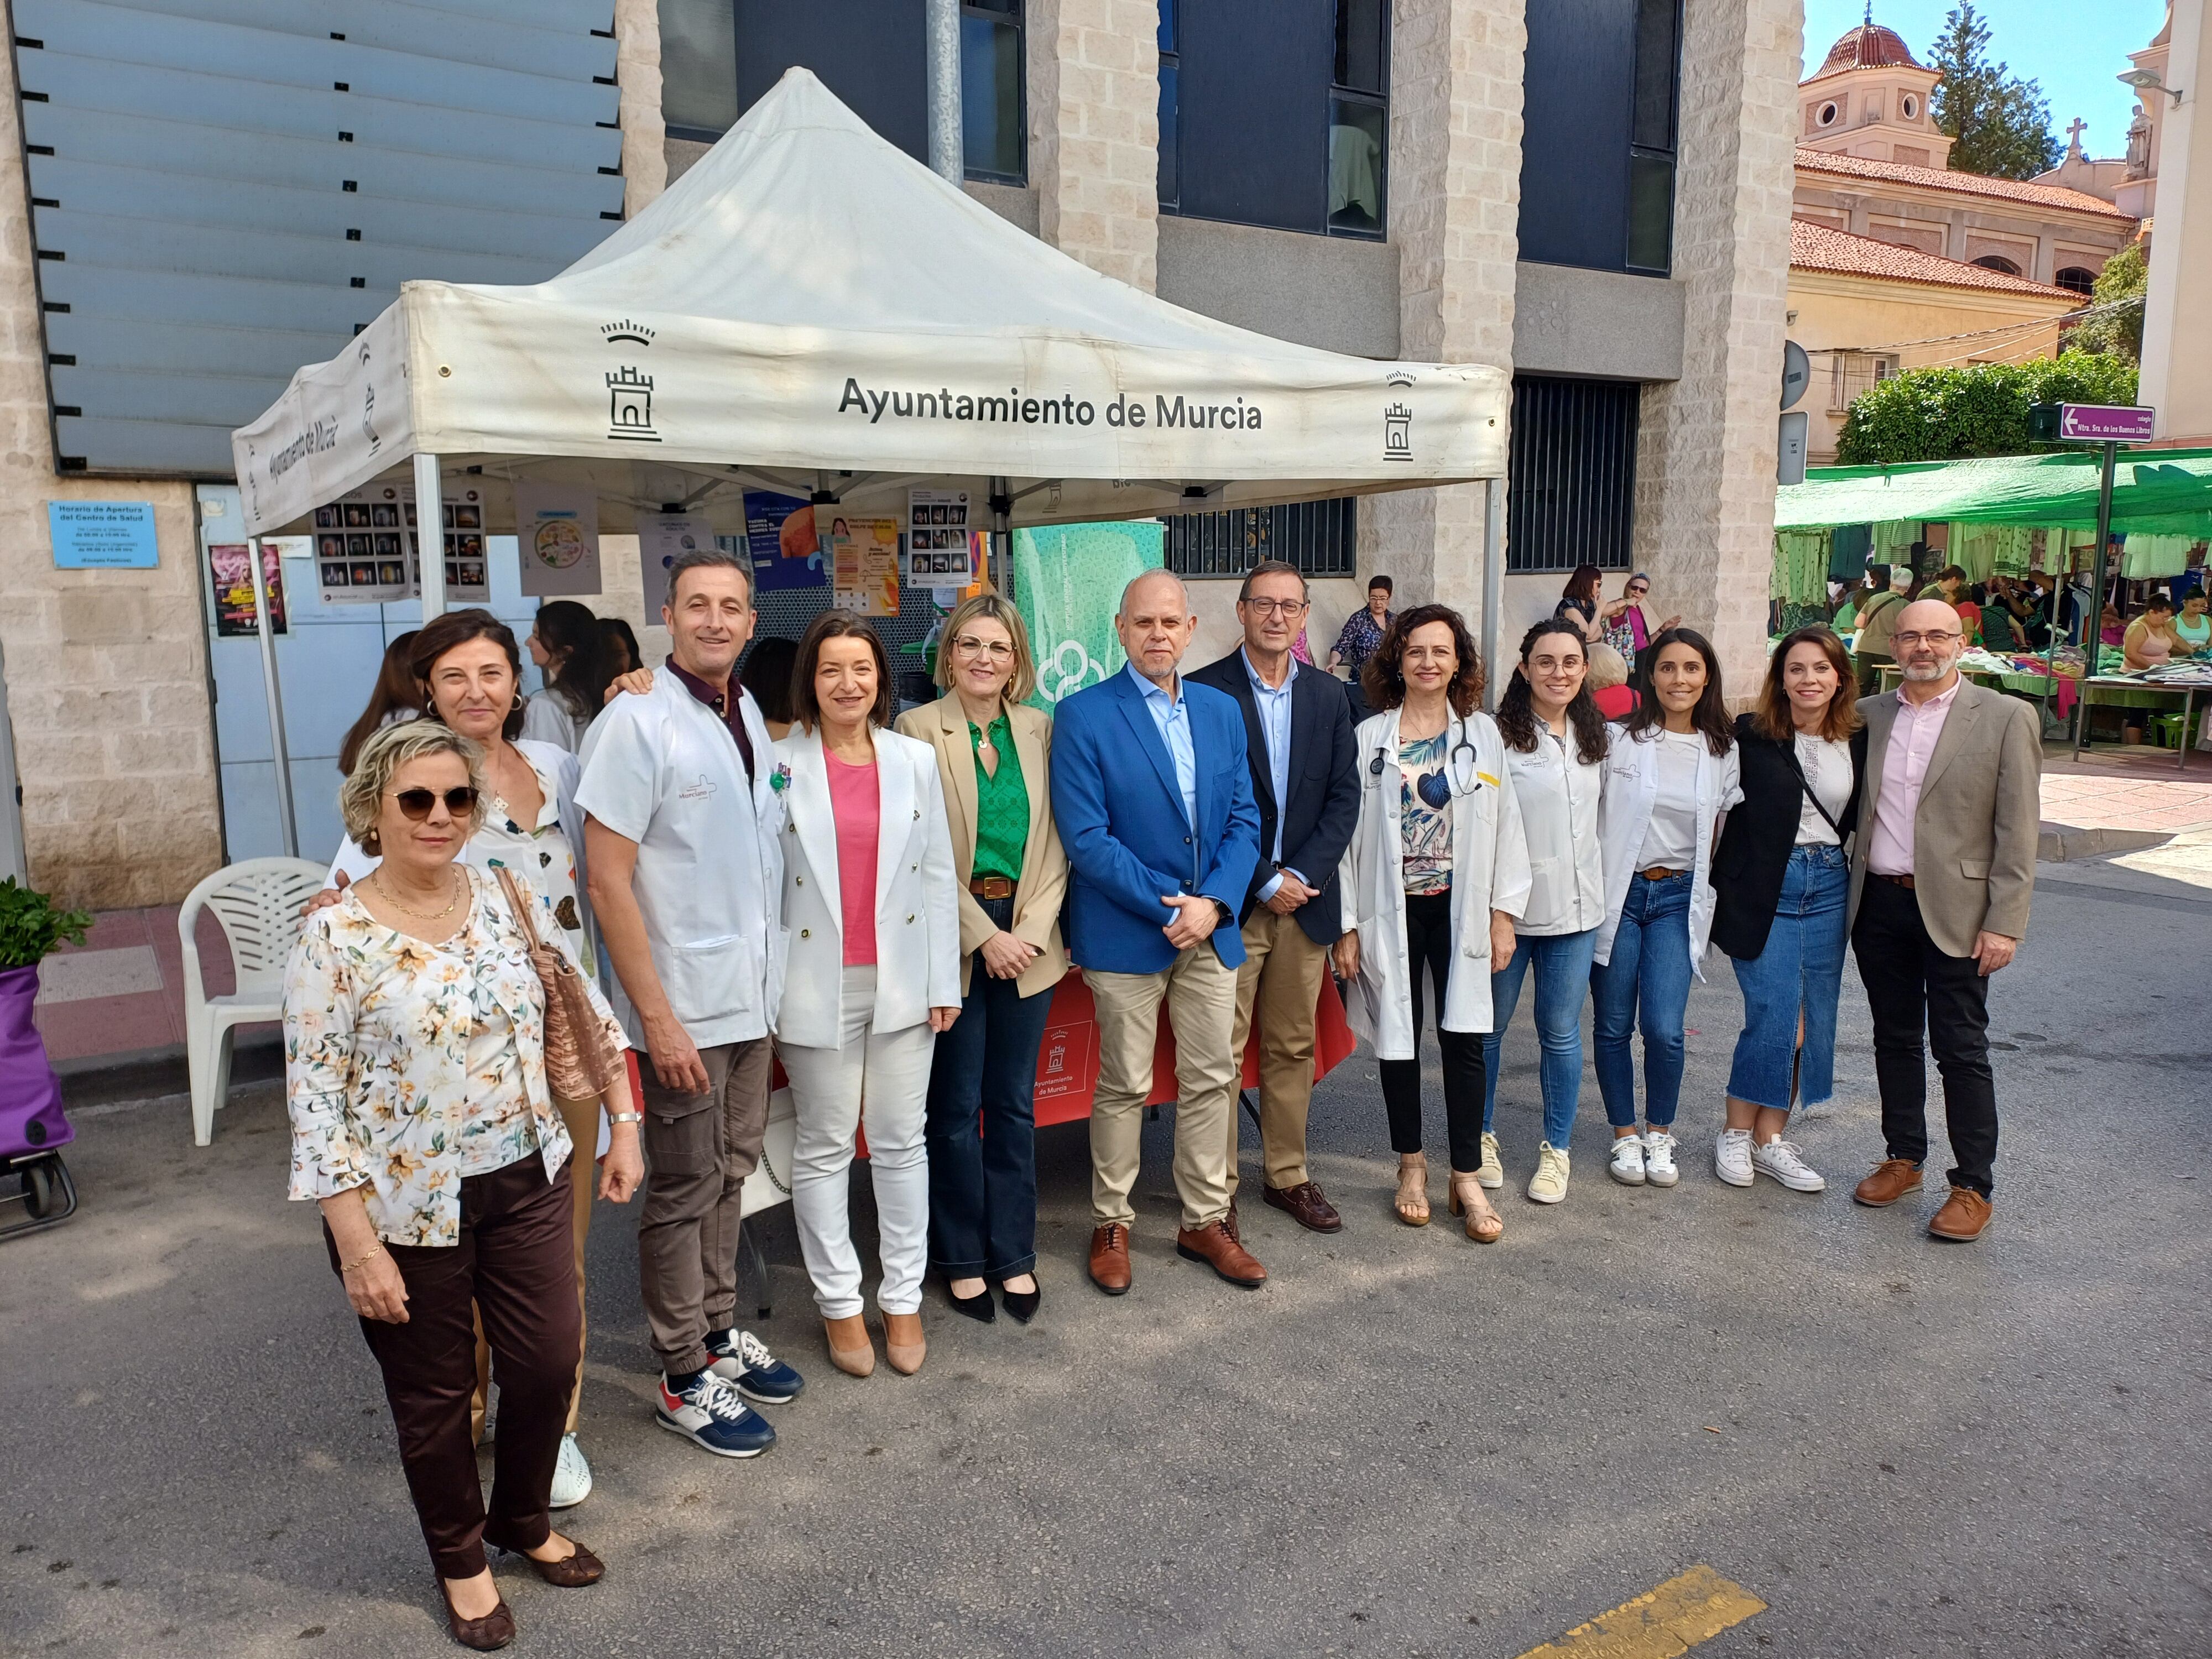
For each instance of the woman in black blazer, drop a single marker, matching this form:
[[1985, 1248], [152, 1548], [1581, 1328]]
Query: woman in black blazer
[[1782, 885]]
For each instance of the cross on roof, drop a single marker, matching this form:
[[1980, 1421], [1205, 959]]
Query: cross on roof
[[2075, 131]]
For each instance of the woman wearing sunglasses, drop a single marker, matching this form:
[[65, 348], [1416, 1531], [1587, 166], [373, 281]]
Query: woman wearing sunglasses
[[993, 753], [422, 1122], [470, 669], [1435, 879]]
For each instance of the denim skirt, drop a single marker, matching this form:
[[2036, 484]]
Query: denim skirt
[[1802, 968]]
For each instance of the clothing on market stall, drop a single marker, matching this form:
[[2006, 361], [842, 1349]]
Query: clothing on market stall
[[2147, 557], [1799, 578], [1848, 548]]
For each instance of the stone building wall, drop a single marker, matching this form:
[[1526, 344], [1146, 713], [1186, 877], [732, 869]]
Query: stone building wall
[[1094, 69]]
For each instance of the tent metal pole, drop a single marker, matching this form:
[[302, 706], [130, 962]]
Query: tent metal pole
[[2092, 614], [942, 22], [1002, 508], [1493, 583], [278, 750], [430, 535]]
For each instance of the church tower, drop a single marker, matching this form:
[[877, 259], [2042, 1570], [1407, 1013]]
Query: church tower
[[1869, 98]]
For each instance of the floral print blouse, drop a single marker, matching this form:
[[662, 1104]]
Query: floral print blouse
[[378, 1070]]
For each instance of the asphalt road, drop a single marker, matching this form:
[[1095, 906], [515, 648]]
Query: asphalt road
[[1406, 1444]]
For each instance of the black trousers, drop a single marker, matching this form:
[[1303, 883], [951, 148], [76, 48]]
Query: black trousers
[[1912, 988], [1428, 945]]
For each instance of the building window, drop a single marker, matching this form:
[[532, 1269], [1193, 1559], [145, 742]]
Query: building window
[[1360, 117], [1571, 489], [1997, 262], [698, 68], [1827, 114], [2080, 278], [1170, 181], [1598, 145], [1651, 140], [991, 113], [1317, 536], [1851, 373], [1908, 106]]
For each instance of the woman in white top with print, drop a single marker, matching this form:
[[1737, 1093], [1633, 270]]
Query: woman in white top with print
[[1555, 752], [1670, 773]]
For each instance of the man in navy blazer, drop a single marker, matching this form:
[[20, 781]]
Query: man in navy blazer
[[1297, 728], [1153, 802]]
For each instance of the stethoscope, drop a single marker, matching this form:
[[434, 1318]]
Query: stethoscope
[[1458, 777]]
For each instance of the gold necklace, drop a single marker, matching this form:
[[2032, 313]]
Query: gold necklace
[[385, 893]]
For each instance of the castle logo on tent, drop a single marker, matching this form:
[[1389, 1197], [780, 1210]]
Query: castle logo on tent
[[1397, 432], [630, 406]]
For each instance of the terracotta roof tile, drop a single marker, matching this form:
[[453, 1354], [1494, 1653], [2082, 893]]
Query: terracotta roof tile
[[1868, 46], [2054, 196], [1822, 247]]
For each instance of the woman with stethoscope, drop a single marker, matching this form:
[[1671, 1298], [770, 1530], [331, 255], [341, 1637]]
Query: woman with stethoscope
[[1436, 873], [1671, 771]]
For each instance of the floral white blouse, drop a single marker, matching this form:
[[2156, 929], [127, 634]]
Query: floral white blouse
[[377, 1062]]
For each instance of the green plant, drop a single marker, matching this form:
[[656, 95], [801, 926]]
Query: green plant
[[2117, 328], [1946, 414], [30, 926]]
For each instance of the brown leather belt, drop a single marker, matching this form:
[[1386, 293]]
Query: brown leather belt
[[1658, 873], [1905, 882], [992, 887]]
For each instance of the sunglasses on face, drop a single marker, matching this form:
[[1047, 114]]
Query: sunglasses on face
[[416, 803]]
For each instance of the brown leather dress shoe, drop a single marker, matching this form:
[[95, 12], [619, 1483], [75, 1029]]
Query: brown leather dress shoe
[[1963, 1217], [1109, 1258], [1305, 1205], [1230, 1221], [1892, 1179], [1212, 1245], [572, 1572], [486, 1635]]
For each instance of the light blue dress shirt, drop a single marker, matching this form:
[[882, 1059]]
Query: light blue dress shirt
[[1172, 717], [1274, 707]]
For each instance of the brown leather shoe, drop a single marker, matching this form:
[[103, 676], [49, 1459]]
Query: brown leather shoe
[[574, 1571], [486, 1635], [1109, 1258], [1963, 1217], [1892, 1179], [1212, 1245], [1305, 1205], [1230, 1221]]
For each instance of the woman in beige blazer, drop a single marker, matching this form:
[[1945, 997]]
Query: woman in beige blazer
[[993, 753]]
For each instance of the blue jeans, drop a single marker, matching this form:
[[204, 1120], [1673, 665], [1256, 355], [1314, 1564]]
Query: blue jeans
[[981, 1127], [1800, 968], [1562, 980], [1647, 981]]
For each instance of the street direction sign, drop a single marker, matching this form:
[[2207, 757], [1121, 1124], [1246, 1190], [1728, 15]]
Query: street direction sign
[[2105, 423]]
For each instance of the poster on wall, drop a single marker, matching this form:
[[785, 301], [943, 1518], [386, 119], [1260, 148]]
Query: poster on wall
[[941, 552], [662, 541], [102, 535], [365, 553], [233, 574], [780, 534], [863, 555], [1067, 583], [557, 529]]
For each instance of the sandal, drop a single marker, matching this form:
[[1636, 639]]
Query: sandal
[[1412, 1200], [1483, 1224]]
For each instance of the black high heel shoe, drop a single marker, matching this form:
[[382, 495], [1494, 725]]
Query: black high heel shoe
[[978, 1307], [1022, 1304]]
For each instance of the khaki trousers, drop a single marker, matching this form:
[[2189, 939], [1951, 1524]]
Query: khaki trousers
[[1281, 978], [581, 1118], [1201, 999]]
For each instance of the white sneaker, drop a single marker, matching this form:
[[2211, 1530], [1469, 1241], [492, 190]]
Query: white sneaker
[[1732, 1156], [1779, 1160], [572, 1476], [1659, 1158], [1628, 1165], [1549, 1184], [1491, 1175]]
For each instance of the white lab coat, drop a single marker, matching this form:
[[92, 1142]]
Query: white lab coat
[[1490, 871], [663, 770], [1558, 797], [1632, 784], [917, 893]]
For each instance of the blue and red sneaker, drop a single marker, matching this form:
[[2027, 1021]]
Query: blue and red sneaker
[[743, 1360], [709, 1413]]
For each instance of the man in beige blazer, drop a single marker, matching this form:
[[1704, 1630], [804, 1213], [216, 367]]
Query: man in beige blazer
[[1941, 874]]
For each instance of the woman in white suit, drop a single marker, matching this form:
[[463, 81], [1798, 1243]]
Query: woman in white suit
[[1436, 876], [871, 917]]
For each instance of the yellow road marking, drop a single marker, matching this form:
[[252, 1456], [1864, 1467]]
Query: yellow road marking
[[1687, 1609]]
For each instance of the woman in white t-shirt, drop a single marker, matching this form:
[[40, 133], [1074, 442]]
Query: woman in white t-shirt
[[1670, 773]]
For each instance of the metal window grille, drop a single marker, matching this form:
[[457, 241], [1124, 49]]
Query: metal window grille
[[1571, 496], [1319, 537]]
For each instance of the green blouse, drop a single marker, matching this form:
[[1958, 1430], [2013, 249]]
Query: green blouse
[[1002, 804]]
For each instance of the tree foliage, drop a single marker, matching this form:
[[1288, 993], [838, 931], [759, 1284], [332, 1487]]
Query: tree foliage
[[2001, 123], [2117, 327], [1946, 414]]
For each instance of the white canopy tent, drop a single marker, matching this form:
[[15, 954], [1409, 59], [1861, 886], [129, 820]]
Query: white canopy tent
[[808, 310]]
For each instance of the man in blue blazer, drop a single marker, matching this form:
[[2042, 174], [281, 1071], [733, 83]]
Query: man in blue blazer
[[1152, 798]]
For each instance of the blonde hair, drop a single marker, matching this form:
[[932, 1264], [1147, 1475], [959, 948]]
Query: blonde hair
[[989, 607], [360, 797], [1607, 667]]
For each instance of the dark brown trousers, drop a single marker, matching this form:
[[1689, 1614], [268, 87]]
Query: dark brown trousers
[[514, 1263]]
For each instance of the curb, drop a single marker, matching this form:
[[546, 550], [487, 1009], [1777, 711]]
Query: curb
[[147, 1073]]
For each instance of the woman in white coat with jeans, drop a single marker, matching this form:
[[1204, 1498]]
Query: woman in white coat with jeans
[[1671, 770], [1436, 873], [872, 922]]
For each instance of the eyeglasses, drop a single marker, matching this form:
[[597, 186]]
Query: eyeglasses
[[416, 803], [1274, 607], [1638, 592], [968, 646], [1909, 640]]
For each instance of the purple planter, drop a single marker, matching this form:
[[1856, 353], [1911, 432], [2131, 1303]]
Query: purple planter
[[30, 1118]]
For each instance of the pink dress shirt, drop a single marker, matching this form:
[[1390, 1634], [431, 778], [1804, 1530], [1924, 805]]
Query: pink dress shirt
[[856, 800], [1904, 768]]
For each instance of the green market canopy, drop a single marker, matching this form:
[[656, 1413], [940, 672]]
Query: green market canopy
[[2161, 492]]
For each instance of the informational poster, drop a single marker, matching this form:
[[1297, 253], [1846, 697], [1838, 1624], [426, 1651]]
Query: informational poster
[[233, 574], [1067, 583], [863, 555], [366, 551], [937, 538], [661, 541], [557, 531], [785, 549], [468, 579], [102, 535]]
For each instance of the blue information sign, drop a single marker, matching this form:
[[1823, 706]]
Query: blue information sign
[[103, 535]]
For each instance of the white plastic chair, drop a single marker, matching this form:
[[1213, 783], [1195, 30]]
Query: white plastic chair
[[257, 902]]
